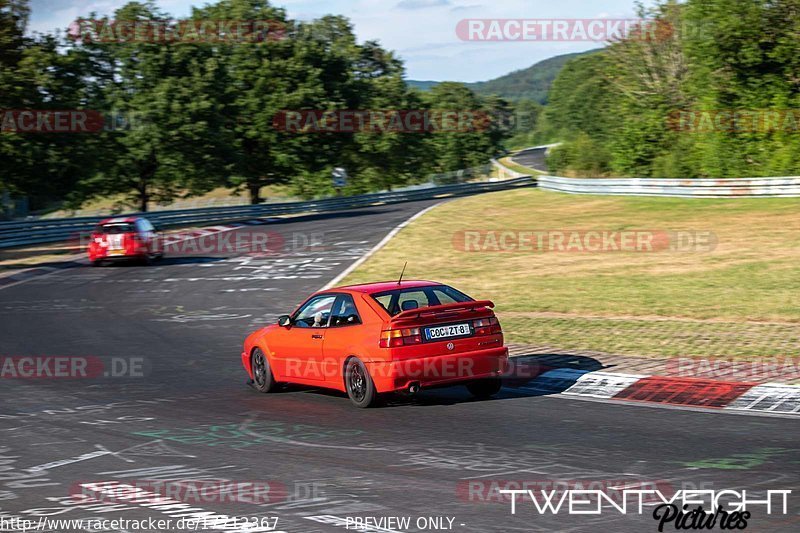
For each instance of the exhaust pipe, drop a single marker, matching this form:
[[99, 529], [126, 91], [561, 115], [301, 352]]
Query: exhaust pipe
[[413, 388]]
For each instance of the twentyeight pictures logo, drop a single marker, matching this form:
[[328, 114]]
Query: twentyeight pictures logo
[[683, 509]]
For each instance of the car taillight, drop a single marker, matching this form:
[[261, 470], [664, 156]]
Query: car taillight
[[97, 237], [486, 326], [399, 337]]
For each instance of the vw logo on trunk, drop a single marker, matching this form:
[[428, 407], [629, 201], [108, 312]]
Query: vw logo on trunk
[[450, 345]]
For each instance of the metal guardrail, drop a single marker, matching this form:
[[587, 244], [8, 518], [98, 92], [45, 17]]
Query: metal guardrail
[[679, 188], [22, 233], [689, 188]]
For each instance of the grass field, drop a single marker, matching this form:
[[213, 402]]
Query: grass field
[[741, 299]]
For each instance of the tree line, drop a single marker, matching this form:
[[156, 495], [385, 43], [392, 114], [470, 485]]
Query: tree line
[[182, 117], [711, 89]]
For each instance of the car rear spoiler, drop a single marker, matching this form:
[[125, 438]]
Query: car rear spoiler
[[433, 309]]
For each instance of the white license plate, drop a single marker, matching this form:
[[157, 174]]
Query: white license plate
[[443, 332]]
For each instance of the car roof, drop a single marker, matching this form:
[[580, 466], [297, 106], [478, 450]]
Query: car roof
[[119, 220], [381, 286]]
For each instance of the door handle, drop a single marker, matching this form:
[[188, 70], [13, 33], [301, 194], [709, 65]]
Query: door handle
[[316, 336]]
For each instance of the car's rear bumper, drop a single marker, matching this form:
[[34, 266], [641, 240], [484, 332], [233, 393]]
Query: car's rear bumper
[[438, 370], [105, 256]]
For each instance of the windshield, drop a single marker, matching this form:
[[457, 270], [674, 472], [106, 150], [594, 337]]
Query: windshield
[[398, 300]]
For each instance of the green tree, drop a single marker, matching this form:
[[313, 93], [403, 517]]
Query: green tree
[[42, 74], [260, 80], [475, 141], [701, 57], [173, 140]]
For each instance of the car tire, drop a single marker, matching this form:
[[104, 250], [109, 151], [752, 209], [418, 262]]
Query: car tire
[[359, 385], [263, 380], [485, 388], [97, 263]]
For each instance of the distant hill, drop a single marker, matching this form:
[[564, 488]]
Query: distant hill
[[530, 83], [422, 85]]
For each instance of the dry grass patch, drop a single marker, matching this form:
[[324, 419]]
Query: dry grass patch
[[752, 275]]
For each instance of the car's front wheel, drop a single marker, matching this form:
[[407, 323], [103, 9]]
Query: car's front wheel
[[359, 384], [484, 388], [263, 380]]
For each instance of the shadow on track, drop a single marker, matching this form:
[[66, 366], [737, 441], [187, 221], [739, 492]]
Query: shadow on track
[[518, 382]]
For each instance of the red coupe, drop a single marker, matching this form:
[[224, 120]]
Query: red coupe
[[381, 337]]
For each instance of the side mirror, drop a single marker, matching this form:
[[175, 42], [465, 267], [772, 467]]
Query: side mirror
[[284, 320]]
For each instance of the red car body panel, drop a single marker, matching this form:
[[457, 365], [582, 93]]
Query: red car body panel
[[317, 356]]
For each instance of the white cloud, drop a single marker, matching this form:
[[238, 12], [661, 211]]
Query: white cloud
[[422, 4]]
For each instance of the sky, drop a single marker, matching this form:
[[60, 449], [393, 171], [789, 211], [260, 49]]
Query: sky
[[421, 32]]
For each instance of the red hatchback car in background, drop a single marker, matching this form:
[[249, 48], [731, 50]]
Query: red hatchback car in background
[[381, 337], [125, 238]]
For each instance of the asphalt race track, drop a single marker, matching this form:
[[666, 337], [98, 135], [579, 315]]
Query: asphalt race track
[[534, 158], [187, 413]]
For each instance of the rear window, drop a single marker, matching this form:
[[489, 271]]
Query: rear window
[[113, 229], [398, 300]]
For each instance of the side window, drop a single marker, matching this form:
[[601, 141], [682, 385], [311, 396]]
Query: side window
[[316, 312], [345, 312]]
